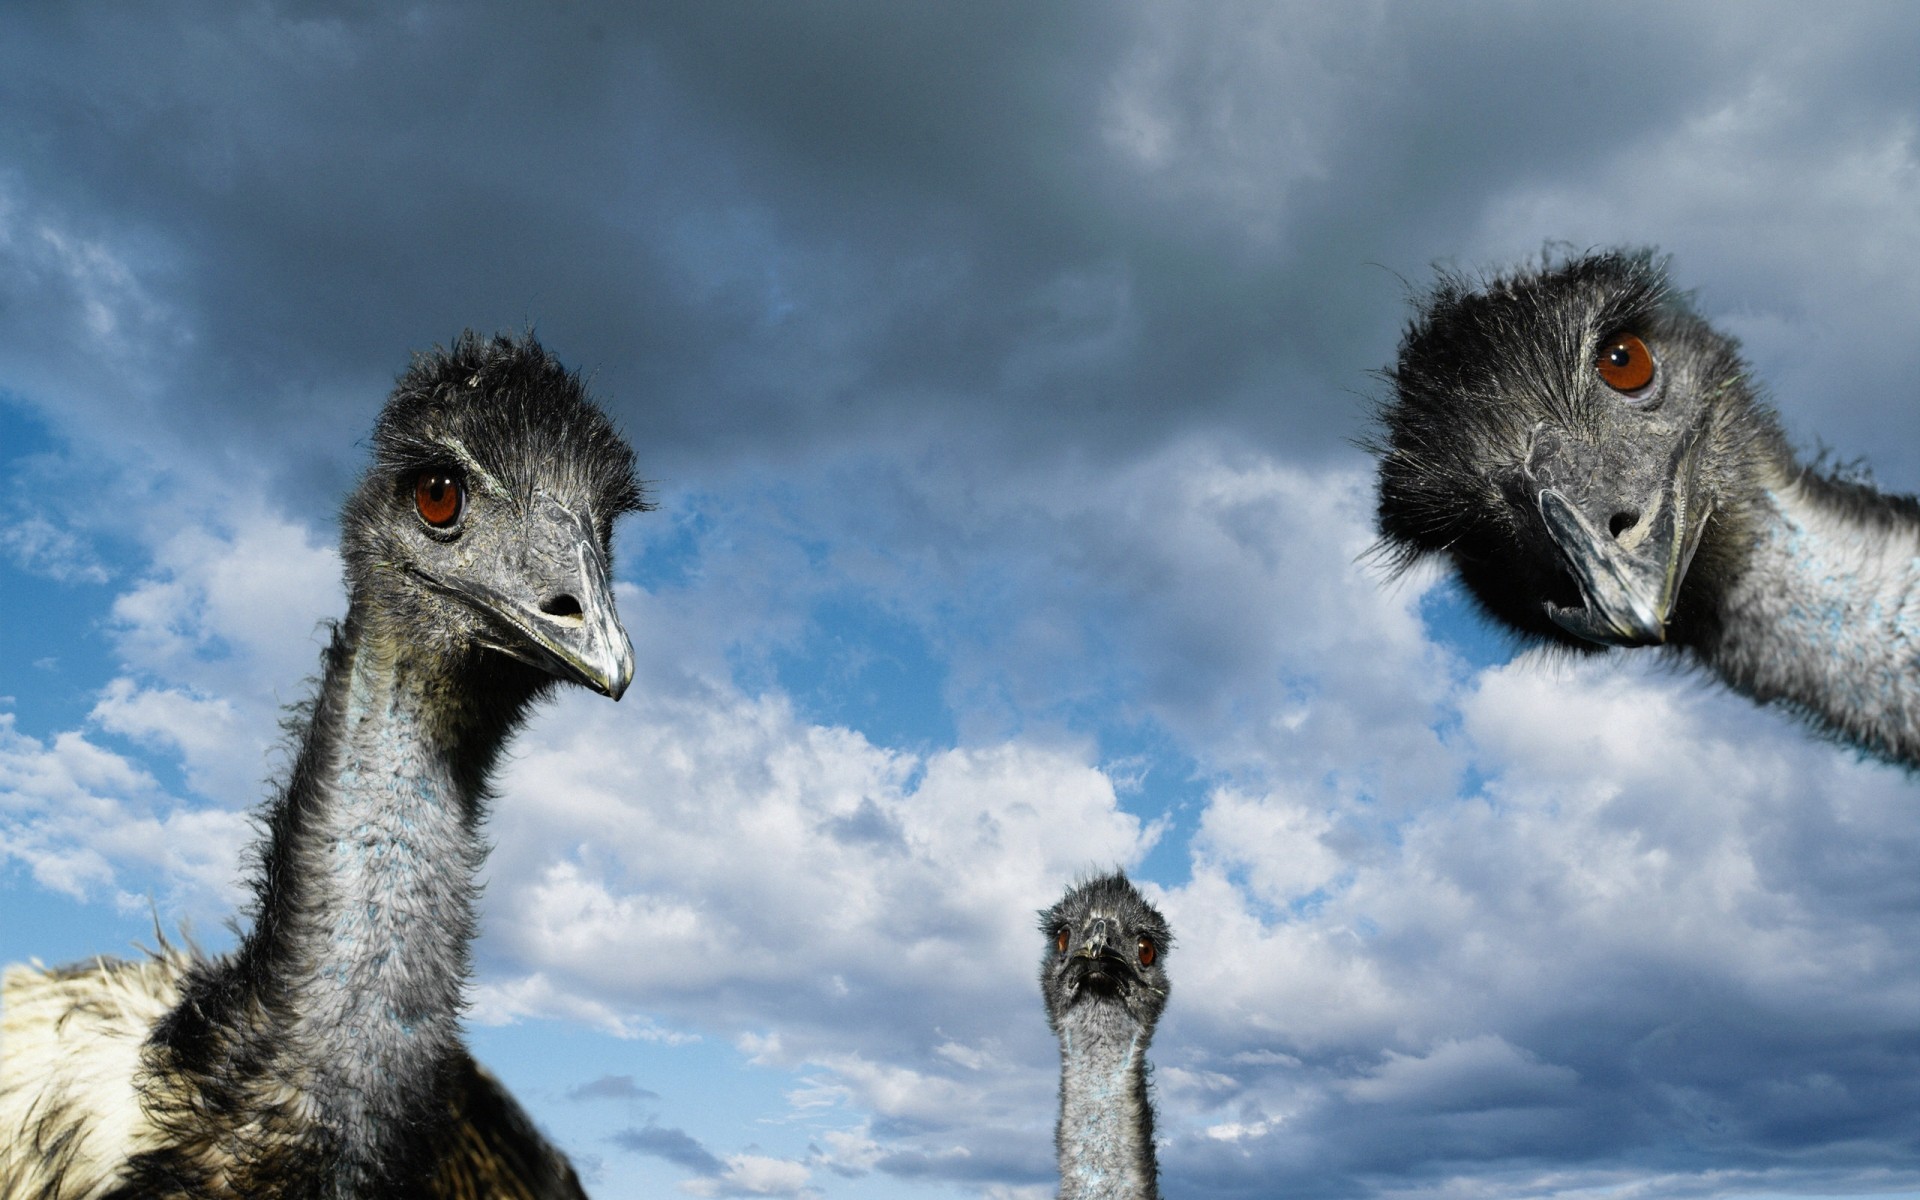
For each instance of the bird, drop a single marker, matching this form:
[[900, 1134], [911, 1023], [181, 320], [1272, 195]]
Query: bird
[[1598, 464], [1103, 978], [322, 1057]]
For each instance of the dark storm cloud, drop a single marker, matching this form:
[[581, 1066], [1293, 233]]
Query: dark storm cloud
[[1727, 1089], [611, 1087], [677, 1146], [802, 226], [311, 192]]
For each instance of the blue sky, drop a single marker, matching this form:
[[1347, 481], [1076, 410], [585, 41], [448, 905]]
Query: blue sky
[[998, 369]]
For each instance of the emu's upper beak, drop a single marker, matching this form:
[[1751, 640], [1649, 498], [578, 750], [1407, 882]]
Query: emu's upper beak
[[1627, 535]]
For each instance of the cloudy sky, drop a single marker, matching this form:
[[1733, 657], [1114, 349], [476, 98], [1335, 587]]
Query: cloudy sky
[[998, 367]]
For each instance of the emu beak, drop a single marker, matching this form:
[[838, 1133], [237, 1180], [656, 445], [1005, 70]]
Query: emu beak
[[1628, 558], [552, 606], [1095, 943]]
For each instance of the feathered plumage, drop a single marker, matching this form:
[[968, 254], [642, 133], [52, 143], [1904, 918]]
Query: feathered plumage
[[323, 1057]]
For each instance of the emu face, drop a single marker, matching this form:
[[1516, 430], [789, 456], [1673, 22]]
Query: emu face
[[1553, 433], [1106, 950], [486, 521]]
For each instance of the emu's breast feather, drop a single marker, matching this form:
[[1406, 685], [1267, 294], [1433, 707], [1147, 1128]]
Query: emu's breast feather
[[70, 1042]]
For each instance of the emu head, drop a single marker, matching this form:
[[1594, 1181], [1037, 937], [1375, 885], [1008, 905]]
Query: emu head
[[1106, 956], [1567, 436], [484, 526]]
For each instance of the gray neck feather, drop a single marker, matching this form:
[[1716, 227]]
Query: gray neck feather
[[382, 850], [1826, 619], [1105, 1134]]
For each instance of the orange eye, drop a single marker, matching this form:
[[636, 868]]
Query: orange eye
[[439, 497], [1625, 363], [1060, 940], [1146, 951]]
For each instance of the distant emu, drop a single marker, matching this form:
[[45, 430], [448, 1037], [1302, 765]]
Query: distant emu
[[1595, 462], [1104, 980], [323, 1057]]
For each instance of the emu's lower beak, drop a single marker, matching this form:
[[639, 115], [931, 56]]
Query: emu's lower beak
[[1628, 547]]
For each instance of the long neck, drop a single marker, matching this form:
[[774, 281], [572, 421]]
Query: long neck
[[1105, 1134], [380, 853], [330, 1028], [1826, 614]]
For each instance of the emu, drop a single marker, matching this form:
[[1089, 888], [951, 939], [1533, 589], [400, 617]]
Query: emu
[[323, 1056], [1104, 980], [1595, 462]]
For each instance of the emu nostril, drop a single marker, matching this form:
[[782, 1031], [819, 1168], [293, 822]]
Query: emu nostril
[[562, 605], [1621, 522]]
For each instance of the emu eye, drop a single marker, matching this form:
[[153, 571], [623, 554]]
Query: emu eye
[[1060, 940], [1625, 364], [1147, 951], [439, 497]]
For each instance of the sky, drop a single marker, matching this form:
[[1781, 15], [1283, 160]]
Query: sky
[[999, 370]]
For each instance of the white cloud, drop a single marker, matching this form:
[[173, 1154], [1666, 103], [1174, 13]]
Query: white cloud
[[233, 608], [753, 1175], [44, 548], [86, 820], [198, 728], [668, 849], [1355, 933], [217, 632], [1358, 934]]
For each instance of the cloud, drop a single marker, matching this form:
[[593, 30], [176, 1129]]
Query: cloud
[[1344, 948], [674, 1145], [1561, 955], [754, 1175], [43, 548], [1376, 975], [611, 1087], [635, 811], [87, 821], [1479, 1073], [235, 605], [214, 633], [736, 1175]]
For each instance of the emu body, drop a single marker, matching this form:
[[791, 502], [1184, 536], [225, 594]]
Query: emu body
[[1595, 461], [323, 1057]]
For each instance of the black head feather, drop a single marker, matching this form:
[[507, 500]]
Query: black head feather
[[517, 409]]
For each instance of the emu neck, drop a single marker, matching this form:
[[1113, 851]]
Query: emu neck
[[358, 957], [1826, 617], [1105, 1134]]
